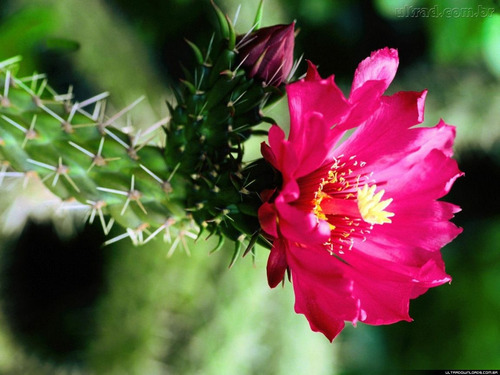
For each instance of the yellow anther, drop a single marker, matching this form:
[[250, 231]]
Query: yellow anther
[[371, 208]]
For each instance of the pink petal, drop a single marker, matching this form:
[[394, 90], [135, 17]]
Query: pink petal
[[276, 263], [312, 72], [422, 182], [300, 226], [268, 154], [386, 131], [322, 293], [380, 66], [276, 141], [313, 144], [381, 291], [267, 218], [314, 94], [364, 103]]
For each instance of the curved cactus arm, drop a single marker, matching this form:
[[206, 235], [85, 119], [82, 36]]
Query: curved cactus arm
[[80, 155], [197, 177]]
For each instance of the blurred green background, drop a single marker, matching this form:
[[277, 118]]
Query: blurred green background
[[69, 306]]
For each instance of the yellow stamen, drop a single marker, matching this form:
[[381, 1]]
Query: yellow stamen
[[370, 206]]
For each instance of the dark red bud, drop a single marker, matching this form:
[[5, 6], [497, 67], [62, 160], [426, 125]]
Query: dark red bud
[[267, 54]]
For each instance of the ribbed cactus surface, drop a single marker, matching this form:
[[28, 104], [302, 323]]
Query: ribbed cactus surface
[[79, 154], [196, 179]]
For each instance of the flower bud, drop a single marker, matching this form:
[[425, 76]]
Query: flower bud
[[267, 54]]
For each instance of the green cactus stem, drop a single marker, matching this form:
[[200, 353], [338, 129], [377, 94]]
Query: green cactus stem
[[197, 179], [76, 150]]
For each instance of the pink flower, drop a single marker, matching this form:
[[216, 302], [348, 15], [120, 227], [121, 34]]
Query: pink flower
[[357, 222]]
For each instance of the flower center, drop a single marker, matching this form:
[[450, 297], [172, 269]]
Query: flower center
[[349, 203], [371, 208]]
